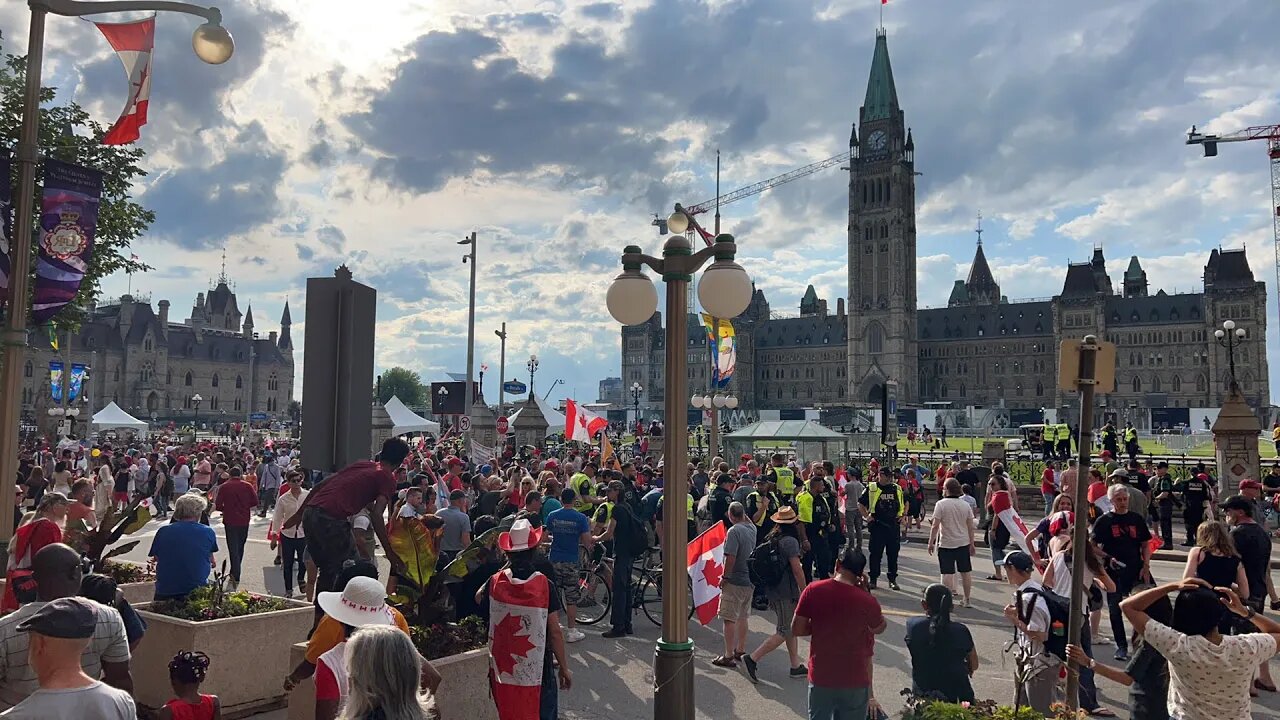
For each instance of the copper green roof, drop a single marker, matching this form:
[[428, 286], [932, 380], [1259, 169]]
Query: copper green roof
[[882, 97], [1135, 268]]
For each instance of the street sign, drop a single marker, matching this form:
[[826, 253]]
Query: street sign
[[1104, 373], [464, 423], [514, 387], [504, 425], [448, 398], [258, 416]]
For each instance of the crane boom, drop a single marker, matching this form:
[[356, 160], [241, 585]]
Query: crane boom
[[773, 182]]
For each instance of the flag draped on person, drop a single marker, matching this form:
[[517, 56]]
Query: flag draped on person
[[706, 568], [724, 349], [1002, 505], [133, 42], [581, 424], [517, 642]]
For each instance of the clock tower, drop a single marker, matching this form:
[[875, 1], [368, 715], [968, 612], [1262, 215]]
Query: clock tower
[[882, 243]]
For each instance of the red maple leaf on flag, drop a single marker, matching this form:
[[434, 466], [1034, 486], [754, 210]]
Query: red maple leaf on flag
[[508, 645], [711, 572]]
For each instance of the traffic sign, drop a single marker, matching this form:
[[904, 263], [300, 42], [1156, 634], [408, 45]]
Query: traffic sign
[[464, 423], [504, 425], [514, 387]]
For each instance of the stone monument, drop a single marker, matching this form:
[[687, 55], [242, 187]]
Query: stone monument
[[1235, 442], [530, 425]]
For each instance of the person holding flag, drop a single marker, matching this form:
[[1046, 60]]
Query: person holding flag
[[1006, 527]]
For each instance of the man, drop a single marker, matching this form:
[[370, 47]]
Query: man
[[57, 573], [721, 497], [1064, 440], [913, 468], [1068, 478], [622, 527], [952, 534], [292, 542], [1123, 536], [569, 530], [324, 515], [1036, 671], [1254, 545], [698, 479], [884, 507], [782, 477], [456, 534], [818, 524], [237, 500], [1131, 440], [1270, 488], [1196, 494], [735, 585], [59, 633], [1162, 498], [841, 619], [270, 475], [1137, 498], [583, 486], [204, 472]]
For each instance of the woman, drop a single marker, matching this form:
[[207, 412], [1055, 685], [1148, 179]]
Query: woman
[[943, 656], [1097, 495], [36, 484], [1215, 560], [1039, 537], [43, 528], [62, 478], [163, 484], [383, 677], [1146, 675], [362, 602], [1057, 577]]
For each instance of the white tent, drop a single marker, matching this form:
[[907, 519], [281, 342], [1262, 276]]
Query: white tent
[[407, 421], [112, 416]]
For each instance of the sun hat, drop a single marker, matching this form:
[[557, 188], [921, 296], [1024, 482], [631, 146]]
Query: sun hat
[[362, 602], [785, 516], [521, 537]]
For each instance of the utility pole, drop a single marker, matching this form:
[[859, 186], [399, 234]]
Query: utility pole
[[471, 321], [502, 366]]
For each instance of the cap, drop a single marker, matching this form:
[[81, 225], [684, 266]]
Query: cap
[[724, 478], [1020, 560], [1238, 502], [1248, 484], [1120, 473], [615, 485], [1162, 465], [71, 618]]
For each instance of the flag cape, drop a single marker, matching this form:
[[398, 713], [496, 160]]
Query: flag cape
[[706, 567], [517, 643], [581, 424], [1003, 507], [723, 345], [133, 42], [606, 449]]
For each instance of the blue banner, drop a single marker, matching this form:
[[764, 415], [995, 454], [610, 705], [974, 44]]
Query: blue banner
[[55, 380], [68, 220], [78, 374]]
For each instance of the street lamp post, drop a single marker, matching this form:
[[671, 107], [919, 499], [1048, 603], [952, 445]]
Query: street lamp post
[[723, 291], [714, 403], [212, 44], [636, 391], [502, 367], [1230, 337], [471, 321], [196, 400], [532, 365]]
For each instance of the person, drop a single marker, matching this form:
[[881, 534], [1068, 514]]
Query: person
[[1215, 560], [59, 633], [1209, 674], [362, 602], [735, 585], [187, 671], [1254, 545], [1039, 536], [1162, 499], [952, 535], [237, 500], [203, 477], [1196, 494], [270, 476], [324, 515], [943, 655], [383, 677], [853, 519], [183, 550], [1058, 578], [162, 486], [1068, 477], [623, 529], [36, 484], [1146, 674], [569, 529], [102, 589], [782, 477], [42, 530], [292, 542], [782, 596], [841, 619], [1123, 536], [1036, 670], [719, 498], [1048, 486], [884, 507]]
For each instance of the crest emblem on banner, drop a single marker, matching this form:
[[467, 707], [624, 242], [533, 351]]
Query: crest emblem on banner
[[66, 240]]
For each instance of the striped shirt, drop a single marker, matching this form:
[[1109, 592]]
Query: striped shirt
[[18, 678]]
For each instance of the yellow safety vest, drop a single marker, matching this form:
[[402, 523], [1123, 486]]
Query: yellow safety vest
[[804, 506], [786, 480], [690, 507], [606, 509], [581, 486], [873, 497], [1131, 435]]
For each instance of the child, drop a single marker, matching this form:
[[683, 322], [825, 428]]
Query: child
[[186, 672]]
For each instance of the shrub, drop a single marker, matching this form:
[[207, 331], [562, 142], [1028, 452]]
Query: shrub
[[445, 639], [213, 602]]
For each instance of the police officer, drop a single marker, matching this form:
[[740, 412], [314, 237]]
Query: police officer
[[1131, 441], [1048, 441], [1064, 441], [783, 478], [1196, 494], [884, 506], [721, 497], [1109, 439], [1162, 496]]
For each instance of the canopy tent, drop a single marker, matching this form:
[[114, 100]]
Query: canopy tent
[[112, 416], [405, 420], [811, 440]]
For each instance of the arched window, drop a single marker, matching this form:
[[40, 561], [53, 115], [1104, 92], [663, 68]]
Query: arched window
[[864, 192], [239, 382], [943, 391], [888, 196], [115, 374], [884, 230], [214, 381], [187, 380], [1137, 384], [1039, 388], [875, 339], [1155, 384], [1177, 384], [146, 344], [1201, 384], [168, 377], [27, 370]]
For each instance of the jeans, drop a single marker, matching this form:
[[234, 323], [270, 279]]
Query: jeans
[[549, 698], [1088, 690], [330, 543], [236, 538], [620, 613], [822, 558], [291, 550], [884, 540], [267, 499], [1049, 497], [838, 703], [1124, 585]]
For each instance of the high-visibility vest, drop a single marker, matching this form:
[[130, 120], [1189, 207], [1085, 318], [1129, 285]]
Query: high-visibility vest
[[1131, 435], [581, 486], [804, 506], [873, 497], [774, 502], [786, 480], [607, 508], [690, 507]]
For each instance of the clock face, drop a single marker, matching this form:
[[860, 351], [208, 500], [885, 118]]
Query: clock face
[[878, 140]]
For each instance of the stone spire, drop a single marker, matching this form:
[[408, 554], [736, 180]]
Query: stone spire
[[248, 322], [882, 97], [286, 341]]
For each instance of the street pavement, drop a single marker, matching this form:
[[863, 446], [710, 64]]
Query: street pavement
[[613, 679]]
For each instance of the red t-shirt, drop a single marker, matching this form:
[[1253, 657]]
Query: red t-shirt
[[351, 489], [1046, 481], [841, 617], [237, 500]]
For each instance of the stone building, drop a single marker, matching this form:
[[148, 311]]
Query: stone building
[[152, 367], [981, 350]]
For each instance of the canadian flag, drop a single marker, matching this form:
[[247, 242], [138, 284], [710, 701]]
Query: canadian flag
[[580, 424], [706, 567], [1002, 506], [133, 42]]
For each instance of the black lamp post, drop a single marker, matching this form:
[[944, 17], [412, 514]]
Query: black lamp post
[[636, 390], [1230, 337]]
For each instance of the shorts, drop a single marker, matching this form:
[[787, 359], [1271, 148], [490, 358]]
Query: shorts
[[569, 580], [1095, 598], [735, 602], [784, 611], [120, 497], [951, 560]]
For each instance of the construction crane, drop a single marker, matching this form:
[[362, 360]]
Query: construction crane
[[1269, 133], [744, 192]]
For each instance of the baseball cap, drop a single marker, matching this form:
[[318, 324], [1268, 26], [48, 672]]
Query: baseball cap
[[1248, 484], [1020, 560], [1235, 502], [71, 618], [1162, 465]]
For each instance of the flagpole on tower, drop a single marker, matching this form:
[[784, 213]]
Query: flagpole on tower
[[882, 4]]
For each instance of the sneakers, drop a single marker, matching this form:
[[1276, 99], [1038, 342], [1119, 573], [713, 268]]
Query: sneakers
[[871, 585], [1102, 640], [893, 585], [614, 633], [966, 603], [288, 594], [750, 665], [1122, 655], [800, 672], [573, 635]]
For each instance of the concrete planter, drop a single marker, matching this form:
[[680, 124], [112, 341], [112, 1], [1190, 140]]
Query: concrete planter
[[244, 682], [463, 693], [139, 593]]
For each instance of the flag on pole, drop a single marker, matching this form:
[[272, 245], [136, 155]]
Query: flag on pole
[[133, 42], [581, 424], [1002, 505], [706, 567], [606, 449]]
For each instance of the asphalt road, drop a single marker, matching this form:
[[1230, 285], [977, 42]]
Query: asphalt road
[[613, 679]]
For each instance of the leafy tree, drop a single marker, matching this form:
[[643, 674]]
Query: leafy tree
[[404, 384], [120, 219]]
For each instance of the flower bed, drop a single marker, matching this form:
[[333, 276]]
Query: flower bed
[[137, 582], [212, 603], [927, 708]]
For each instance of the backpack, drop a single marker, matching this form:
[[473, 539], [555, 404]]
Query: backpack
[[1055, 642], [629, 533], [765, 564]]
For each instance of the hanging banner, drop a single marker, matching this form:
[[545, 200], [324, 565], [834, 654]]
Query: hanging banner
[[68, 218], [6, 226], [723, 346], [55, 380], [78, 374]]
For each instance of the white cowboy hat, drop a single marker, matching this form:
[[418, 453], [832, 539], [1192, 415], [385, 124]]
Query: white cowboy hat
[[362, 602], [522, 536]]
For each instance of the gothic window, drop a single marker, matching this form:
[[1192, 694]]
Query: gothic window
[[888, 195], [961, 389], [1137, 384], [271, 382], [795, 392], [875, 339], [840, 391], [943, 391], [115, 375], [239, 382], [214, 381], [1155, 384], [237, 403], [186, 402], [779, 393], [866, 233], [1130, 359], [1039, 389], [146, 344], [864, 192], [884, 230], [1139, 359], [810, 392], [27, 370], [187, 380]]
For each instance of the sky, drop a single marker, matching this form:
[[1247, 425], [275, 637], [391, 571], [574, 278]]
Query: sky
[[378, 134]]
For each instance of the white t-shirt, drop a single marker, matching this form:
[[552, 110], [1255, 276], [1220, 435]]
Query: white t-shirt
[[954, 518], [409, 511], [1039, 620], [1207, 680], [1062, 575]]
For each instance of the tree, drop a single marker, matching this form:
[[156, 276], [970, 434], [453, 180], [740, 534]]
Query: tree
[[404, 384], [120, 219]]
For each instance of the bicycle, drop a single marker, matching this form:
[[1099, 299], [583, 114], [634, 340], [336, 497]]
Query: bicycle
[[646, 586]]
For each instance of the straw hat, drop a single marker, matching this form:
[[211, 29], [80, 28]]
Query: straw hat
[[785, 516], [362, 602]]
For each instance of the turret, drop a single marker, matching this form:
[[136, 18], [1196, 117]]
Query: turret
[[247, 330], [286, 342], [164, 318]]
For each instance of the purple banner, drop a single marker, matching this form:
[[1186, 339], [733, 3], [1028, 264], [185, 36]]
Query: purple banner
[[68, 219], [6, 225]]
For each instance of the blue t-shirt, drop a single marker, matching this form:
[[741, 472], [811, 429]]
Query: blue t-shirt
[[182, 551], [566, 526]]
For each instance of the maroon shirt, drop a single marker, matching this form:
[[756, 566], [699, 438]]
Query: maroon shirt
[[237, 500], [352, 488]]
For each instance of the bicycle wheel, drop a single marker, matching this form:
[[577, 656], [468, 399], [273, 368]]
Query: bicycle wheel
[[596, 600], [650, 598]]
